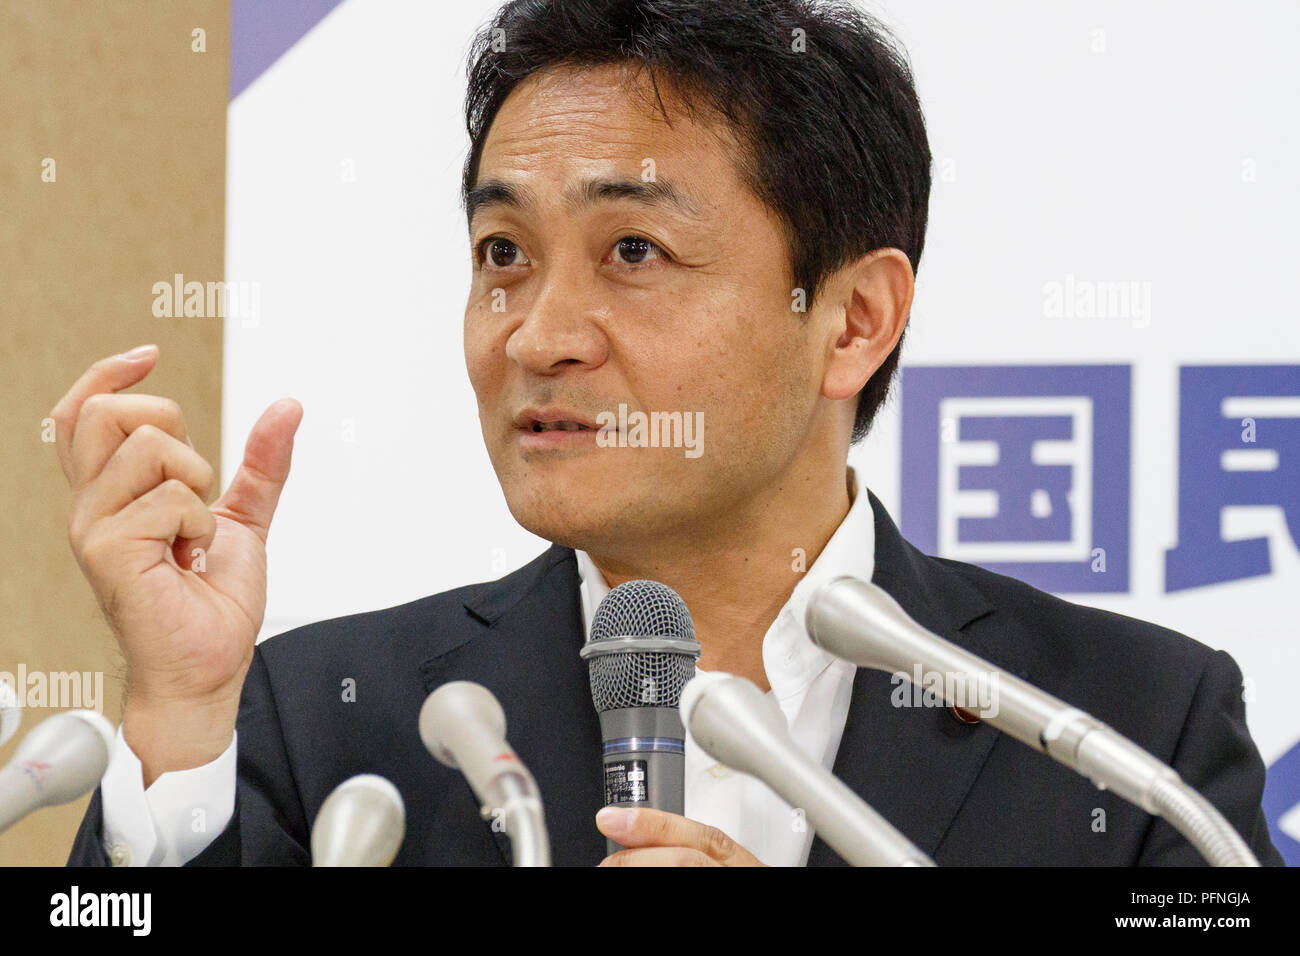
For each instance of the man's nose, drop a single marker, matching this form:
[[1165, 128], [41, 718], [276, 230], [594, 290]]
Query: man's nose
[[561, 326]]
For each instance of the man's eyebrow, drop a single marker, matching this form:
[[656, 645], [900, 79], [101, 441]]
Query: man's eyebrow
[[496, 192], [658, 192]]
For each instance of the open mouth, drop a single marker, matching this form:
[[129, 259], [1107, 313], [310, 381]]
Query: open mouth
[[539, 420], [559, 427]]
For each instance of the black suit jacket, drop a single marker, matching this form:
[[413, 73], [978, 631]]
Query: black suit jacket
[[965, 794]]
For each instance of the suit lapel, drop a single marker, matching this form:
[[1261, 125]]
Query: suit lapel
[[521, 642], [915, 765]]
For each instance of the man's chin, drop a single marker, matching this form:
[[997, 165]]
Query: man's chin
[[592, 509], [579, 539], [581, 522]]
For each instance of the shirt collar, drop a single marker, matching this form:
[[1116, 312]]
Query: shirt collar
[[790, 658]]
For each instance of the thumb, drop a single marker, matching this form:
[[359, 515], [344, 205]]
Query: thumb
[[255, 489]]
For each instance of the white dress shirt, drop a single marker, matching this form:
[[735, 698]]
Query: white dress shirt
[[184, 810], [811, 686]]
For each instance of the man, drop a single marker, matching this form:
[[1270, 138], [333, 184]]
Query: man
[[710, 209]]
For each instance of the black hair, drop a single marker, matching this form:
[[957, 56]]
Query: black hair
[[819, 95]]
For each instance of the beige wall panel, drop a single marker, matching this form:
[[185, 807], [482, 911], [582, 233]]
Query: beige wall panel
[[135, 122]]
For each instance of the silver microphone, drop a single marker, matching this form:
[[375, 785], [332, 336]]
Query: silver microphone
[[60, 759], [11, 715], [739, 725], [862, 623], [464, 727], [361, 823], [641, 653]]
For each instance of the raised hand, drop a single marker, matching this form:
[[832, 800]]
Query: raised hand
[[182, 583]]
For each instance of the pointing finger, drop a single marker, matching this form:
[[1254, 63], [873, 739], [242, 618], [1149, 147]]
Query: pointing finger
[[110, 374]]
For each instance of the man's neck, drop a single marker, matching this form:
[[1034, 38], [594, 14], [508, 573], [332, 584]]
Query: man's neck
[[736, 581]]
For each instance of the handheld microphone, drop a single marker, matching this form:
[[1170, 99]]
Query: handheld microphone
[[739, 725], [862, 623], [11, 714], [641, 653], [361, 823], [60, 759], [464, 727]]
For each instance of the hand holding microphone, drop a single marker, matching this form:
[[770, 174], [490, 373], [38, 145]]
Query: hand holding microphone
[[641, 653]]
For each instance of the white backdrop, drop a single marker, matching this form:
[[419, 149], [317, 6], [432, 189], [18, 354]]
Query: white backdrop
[[1153, 143]]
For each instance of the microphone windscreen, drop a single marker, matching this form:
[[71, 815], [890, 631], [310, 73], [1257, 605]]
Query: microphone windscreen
[[11, 714], [72, 749], [361, 823], [102, 727], [696, 688], [642, 650], [455, 710], [642, 609]]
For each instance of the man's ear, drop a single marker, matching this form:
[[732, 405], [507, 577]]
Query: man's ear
[[873, 297]]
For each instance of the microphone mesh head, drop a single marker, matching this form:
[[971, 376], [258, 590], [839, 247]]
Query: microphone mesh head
[[634, 677]]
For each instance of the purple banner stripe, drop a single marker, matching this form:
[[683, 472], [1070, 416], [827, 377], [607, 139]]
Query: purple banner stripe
[[261, 31]]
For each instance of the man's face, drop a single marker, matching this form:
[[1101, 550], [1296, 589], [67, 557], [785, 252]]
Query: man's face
[[584, 299]]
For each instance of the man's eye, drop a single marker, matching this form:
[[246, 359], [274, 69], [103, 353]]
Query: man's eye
[[635, 250], [498, 253]]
